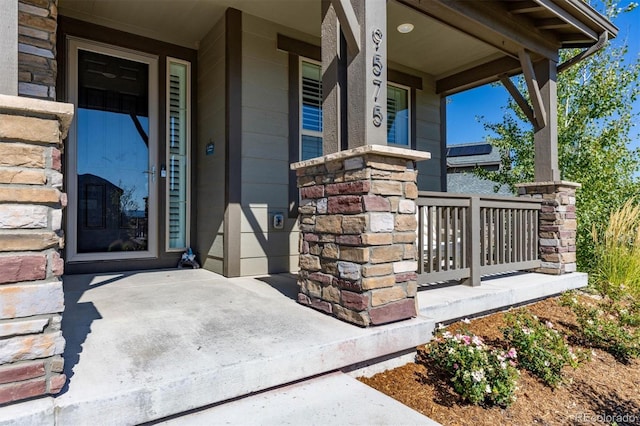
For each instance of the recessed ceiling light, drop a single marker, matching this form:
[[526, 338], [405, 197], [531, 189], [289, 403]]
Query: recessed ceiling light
[[405, 28]]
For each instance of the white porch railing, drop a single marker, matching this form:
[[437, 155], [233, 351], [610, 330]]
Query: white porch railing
[[463, 237]]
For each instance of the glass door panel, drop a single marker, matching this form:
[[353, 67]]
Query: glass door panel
[[112, 147]]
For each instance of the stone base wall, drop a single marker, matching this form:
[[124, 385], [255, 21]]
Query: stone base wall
[[31, 203], [37, 66], [558, 224], [358, 235]]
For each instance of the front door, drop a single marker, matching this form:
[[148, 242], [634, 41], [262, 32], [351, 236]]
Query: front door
[[111, 153]]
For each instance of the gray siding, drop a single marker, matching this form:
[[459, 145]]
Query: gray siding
[[210, 180], [265, 150]]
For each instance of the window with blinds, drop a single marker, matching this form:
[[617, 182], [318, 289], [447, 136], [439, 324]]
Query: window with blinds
[[397, 115], [311, 110], [178, 141]]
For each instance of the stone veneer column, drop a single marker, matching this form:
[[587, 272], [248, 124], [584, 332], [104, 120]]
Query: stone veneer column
[[557, 224], [37, 65], [31, 203], [358, 234]]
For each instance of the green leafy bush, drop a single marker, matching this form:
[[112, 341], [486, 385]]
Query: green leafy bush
[[479, 374], [613, 326], [541, 349]]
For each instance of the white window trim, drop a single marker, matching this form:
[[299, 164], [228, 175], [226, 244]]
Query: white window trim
[[188, 155], [410, 114], [301, 130]]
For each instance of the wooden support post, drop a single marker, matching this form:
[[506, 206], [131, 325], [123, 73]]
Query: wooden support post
[[546, 138], [9, 47], [473, 245], [332, 121], [533, 85], [367, 77]]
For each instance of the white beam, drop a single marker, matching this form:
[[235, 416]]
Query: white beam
[[9, 47], [348, 23]]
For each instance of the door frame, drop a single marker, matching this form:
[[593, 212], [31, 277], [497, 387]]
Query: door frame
[[73, 45]]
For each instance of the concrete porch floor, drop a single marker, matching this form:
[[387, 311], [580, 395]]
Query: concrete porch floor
[[142, 346]]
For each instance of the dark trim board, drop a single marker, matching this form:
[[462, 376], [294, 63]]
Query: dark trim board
[[294, 131], [233, 151], [299, 47], [69, 27]]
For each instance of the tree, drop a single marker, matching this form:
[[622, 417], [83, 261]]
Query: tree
[[595, 123]]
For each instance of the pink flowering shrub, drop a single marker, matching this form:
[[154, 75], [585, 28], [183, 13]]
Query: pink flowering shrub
[[481, 375]]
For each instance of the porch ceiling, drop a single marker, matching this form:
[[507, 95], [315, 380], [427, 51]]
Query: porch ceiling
[[462, 44]]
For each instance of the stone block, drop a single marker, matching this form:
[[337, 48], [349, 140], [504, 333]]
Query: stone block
[[356, 187], [312, 289], [331, 294], [345, 204], [30, 129], [56, 219], [23, 176], [29, 242], [30, 347], [353, 163], [21, 155], [349, 240], [385, 187], [56, 383], [21, 371], [329, 224], [377, 239], [349, 270], [406, 222], [24, 300], [406, 276], [386, 295], [355, 301], [21, 327], [381, 222], [330, 251], [352, 175], [386, 163], [410, 252], [22, 390], [354, 224], [405, 266], [407, 206], [404, 237], [303, 299], [377, 270], [412, 288], [321, 278], [411, 190], [15, 216], [56, 159], [395, 311], [371, 283], [309, 262], [321, 305], [354, 254], [22, 268], [353, 317], [312, 192], [57, 364], [29, 195], [376, 203], [386, 254], [568, 257]]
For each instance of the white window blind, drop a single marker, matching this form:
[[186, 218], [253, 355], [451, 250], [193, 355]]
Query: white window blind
[[397, 115], [177, 155], [311, 111]]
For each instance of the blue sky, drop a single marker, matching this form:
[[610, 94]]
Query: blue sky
[[464, 108]]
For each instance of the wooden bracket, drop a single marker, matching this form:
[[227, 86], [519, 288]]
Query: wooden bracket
[[539, 111], [349, 23], [520, 100]]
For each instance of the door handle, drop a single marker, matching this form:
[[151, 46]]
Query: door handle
[[151, 172]]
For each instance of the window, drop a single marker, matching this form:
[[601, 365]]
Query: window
[[178, 142], [311, 110], [398, 115]]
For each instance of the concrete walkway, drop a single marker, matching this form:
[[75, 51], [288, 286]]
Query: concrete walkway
[[144, 346]]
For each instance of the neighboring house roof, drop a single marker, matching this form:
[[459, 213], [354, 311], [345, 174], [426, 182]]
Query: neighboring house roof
[[472, 154], [468, 156]]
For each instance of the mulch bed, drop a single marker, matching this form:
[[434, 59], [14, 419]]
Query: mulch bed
[[595, 393]]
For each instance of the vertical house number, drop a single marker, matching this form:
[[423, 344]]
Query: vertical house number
[[377, 67]]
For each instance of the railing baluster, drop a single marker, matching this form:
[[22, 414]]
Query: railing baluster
[[430, 229], [454, 249], [421, 211]]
